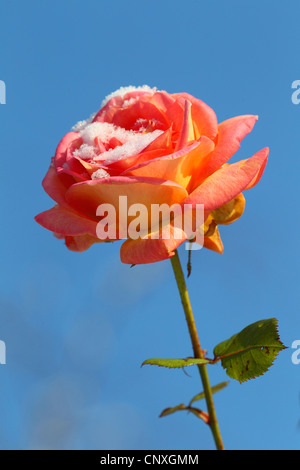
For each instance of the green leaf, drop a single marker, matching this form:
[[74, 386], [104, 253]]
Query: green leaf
[[199, 413], [251, 352], [169, 411], [215, 389], [175, 363]]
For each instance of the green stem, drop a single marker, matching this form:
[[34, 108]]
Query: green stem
[[198, 353]]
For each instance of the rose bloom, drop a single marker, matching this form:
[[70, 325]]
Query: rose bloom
[[154, 148]]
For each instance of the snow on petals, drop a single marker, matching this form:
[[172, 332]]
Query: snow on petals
[[99, 174], [82, 124], [129, 142], [127, 89]]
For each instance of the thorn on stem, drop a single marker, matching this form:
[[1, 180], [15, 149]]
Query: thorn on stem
[[189, 263]]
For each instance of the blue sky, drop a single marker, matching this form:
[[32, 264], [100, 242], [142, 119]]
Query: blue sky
[[78, 326]]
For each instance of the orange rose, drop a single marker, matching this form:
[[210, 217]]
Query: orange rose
[[153, 148]]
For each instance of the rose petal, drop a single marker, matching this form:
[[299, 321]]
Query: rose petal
[[80, 243], [163, 141], [204, 118], [56, 185], [87, 196], [187, 131], [129, 162], [61, 151], [77, 177], [179, 166], [226, 183], [141, 109], [66, 222], [170, 108], [162, 100], [147, 250], [230, 134], [258, 175]]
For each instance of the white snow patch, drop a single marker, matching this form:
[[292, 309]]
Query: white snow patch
[[127, 103], [82, 124], [105, 131], [133, 146], [127, 89], [131, 142], [86, 152], [101, 173]]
